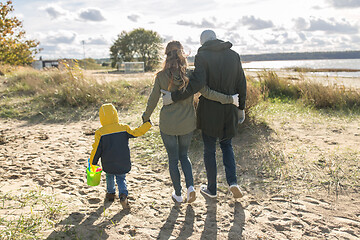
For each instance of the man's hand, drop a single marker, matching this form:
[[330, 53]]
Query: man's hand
[[241, 115], [235, 100], [166, 97]]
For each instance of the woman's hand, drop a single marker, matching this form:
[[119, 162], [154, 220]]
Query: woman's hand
[[236, 100], [167, 100]]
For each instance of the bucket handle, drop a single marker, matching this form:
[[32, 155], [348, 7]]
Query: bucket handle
[[91, 166]]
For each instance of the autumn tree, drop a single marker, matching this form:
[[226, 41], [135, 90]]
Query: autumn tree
[[15, 49], [137, 45]]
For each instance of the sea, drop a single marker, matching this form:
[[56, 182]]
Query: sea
[[314, 64]]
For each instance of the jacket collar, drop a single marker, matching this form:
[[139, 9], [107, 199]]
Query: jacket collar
[[215, 45]]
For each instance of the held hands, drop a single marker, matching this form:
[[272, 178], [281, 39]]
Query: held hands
[[235, 100], [144, 121], [241, 114], [166, 97]]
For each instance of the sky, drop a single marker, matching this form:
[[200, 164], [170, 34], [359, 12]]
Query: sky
[[88, 28]]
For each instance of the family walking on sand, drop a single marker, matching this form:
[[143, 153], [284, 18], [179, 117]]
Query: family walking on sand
[[219, 77]]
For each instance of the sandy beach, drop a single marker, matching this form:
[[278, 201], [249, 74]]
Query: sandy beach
[[52, 158]]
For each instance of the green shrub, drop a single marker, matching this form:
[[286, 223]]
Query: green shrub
[[274, 86]]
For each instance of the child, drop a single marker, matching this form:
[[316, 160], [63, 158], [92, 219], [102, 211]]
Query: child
[[112, 146]]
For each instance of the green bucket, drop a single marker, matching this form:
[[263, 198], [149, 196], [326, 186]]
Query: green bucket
[[93, 178]]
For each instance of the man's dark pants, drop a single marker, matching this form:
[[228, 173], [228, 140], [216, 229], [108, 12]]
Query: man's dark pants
[[210, 161]]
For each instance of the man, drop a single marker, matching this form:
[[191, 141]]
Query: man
[[219, 67]]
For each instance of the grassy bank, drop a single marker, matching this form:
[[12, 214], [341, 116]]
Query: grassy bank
[[64, 95], [311, 94], [61, 95]]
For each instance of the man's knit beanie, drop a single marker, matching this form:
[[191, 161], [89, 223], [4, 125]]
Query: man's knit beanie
[[207, 35]]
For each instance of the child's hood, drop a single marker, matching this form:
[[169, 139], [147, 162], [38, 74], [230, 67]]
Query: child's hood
[[108, 114]]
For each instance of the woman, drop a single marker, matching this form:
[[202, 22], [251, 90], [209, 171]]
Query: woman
[[177, 121]]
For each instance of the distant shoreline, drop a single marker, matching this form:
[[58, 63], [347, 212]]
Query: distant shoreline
[[301, 56]]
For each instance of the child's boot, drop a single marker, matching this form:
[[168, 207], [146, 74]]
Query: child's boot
[[110, 197], [124, 201]]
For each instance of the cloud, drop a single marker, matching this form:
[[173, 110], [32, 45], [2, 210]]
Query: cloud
[[234, 38], [344, 3], [271, 41], [167, 38], [55, 11], [59, 37], [133, 17], [300, 24], [190, 41], [329, 26], [96, 41], [256, 23], [355, 39], [91, 14], [319, 42], [204, 23], [302, 36]]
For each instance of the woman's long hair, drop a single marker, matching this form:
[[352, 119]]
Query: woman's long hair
[[176, 60]]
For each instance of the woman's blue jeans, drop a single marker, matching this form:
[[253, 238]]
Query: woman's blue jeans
[[210, 161], [120, 180], [177, 149]]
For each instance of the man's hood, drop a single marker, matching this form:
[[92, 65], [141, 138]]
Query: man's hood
[[108, 114], [215, 45]]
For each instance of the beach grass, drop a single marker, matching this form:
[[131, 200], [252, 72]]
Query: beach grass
[[64, 95], [57, 95], [39, 211], [310, 93]]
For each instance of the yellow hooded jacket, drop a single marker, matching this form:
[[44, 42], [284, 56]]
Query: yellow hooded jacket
[[112, 141]]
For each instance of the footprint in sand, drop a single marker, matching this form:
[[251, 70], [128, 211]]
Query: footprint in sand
[[14, 177], [62, 186], [61, 172], [94, 200], [82, 192]]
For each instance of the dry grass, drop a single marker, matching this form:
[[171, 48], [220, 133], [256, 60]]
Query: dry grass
[[54, 94], [310, 93]]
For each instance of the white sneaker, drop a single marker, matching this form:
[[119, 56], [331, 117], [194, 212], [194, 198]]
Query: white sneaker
[[191, 194], [177, 198], [236, 191]]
